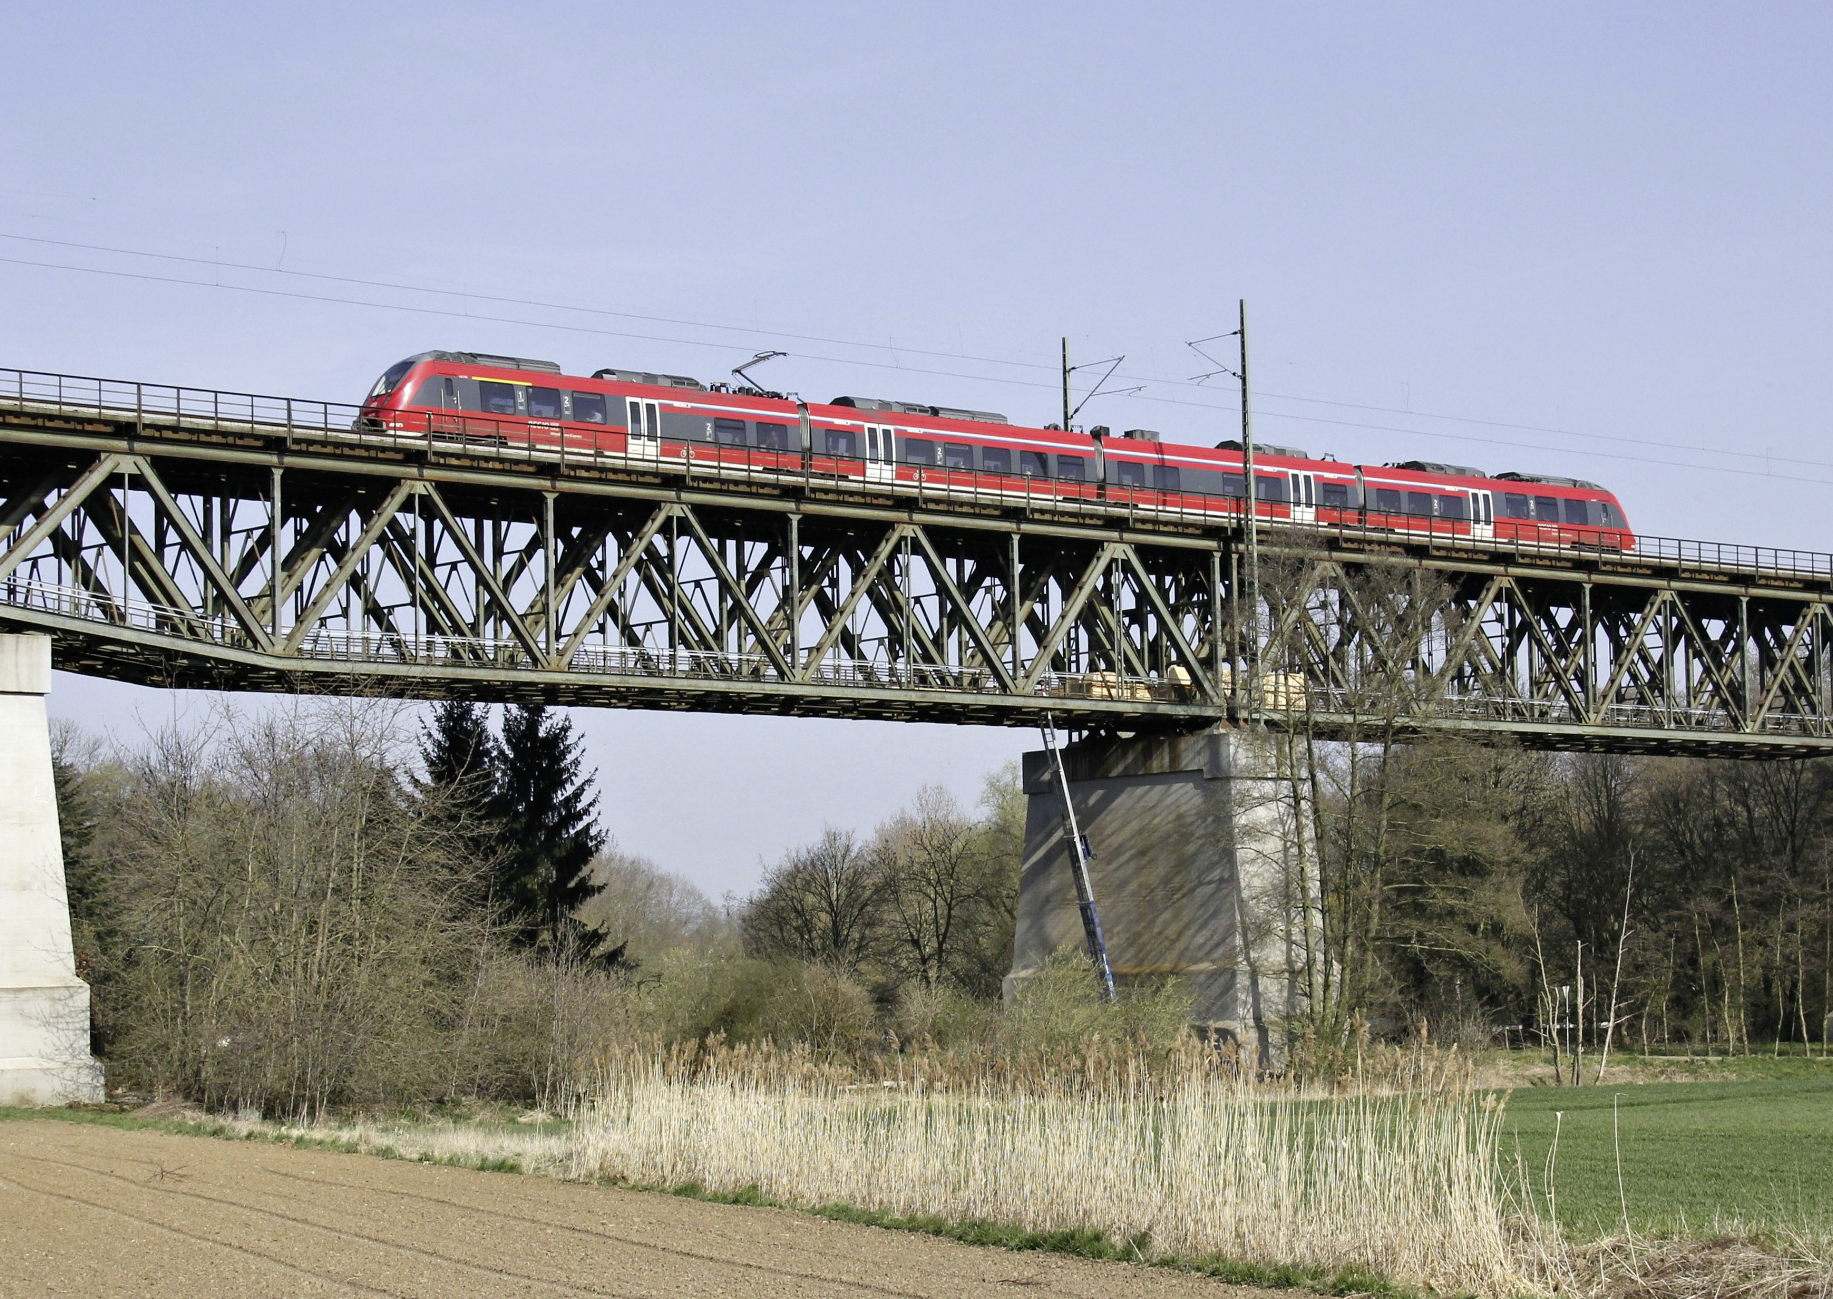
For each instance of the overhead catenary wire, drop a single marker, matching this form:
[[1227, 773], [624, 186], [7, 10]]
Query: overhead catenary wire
[[1196, 381], [1769, 459]]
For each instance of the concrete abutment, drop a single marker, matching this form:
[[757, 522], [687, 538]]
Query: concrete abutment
[[1204, 870], [44, 1006]]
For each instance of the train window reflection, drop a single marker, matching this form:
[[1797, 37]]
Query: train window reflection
[[1387, 500], [1546, 509], [589, 407], [775, 437], [1074, 468], [729, 432], [1033, 464], [957, 455], [1333, 496], [390, 377], [920, 451], [1453, 507], [1515, 506], [996, 460], [1419, 503], [840, 442], [1128, 474], [1577, 513], [496, 398], [544, 403]]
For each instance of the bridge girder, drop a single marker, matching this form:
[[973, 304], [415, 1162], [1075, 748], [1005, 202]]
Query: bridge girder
[[247, 553]]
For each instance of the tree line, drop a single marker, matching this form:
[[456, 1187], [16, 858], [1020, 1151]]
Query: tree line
[[306, 907], [325, 904], [1569, 901]]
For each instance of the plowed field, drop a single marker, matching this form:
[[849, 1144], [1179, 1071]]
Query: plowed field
[[95, 1211]]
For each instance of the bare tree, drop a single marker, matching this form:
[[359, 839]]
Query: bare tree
[[294, 931], [819, 903], [650, 910], [931, 860]]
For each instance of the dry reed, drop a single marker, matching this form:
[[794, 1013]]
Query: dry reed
[[1190, 1158]]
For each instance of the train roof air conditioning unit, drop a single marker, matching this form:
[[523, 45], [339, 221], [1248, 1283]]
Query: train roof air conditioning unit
[[653, 380]]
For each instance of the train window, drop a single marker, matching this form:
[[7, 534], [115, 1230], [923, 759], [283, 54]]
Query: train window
[[1165, 477], [1333, 496], [589, 407], [1387, 500], [1269, 489], [1128, 474], [729, 432], [496, 398], [1515, 506], [1577, 513], [1033, 464], [1419, 503], [1234, 485], [544, 403], [775, 437], [996, 460], [1453, 507], [957, 455], [434, 392], [1612, 519], [840, 442], [390, 377], [920, 451], [1074, 468]]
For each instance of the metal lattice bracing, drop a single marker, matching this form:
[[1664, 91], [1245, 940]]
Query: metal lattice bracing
[[203, 539]]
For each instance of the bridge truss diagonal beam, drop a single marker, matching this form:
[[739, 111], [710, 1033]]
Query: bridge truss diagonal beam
[[157, 549]]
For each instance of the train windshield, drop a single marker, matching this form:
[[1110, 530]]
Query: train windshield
[[391, 377]]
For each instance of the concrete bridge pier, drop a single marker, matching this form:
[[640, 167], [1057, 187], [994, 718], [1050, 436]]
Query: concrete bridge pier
[[44, 1007], [1204, 870]]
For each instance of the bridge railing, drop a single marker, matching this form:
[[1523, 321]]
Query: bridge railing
[[520, 440], [1289, 704], [205, 408], [107, 607], [361, 648]]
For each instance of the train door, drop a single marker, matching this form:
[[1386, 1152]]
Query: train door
[[442, 420], [1304, 497], [1482, 515], [881, 465], [645, 429]]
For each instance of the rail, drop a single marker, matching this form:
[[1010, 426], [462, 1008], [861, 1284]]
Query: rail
[[521, 440]]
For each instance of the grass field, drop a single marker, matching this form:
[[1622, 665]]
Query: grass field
[[1697, 1157]]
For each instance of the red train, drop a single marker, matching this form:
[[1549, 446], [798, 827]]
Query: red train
[[477, 398]]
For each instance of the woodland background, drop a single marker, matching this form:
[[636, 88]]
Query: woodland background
[[332, 905]]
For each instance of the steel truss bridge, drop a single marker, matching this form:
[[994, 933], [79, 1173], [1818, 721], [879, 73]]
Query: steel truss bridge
[[186, 537]]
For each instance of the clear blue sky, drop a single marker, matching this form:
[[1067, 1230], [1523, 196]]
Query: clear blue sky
[[1598, 236]]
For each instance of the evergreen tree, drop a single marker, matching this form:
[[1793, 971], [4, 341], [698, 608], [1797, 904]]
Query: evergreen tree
[[458, 751], [548, 814], [461, 760]]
